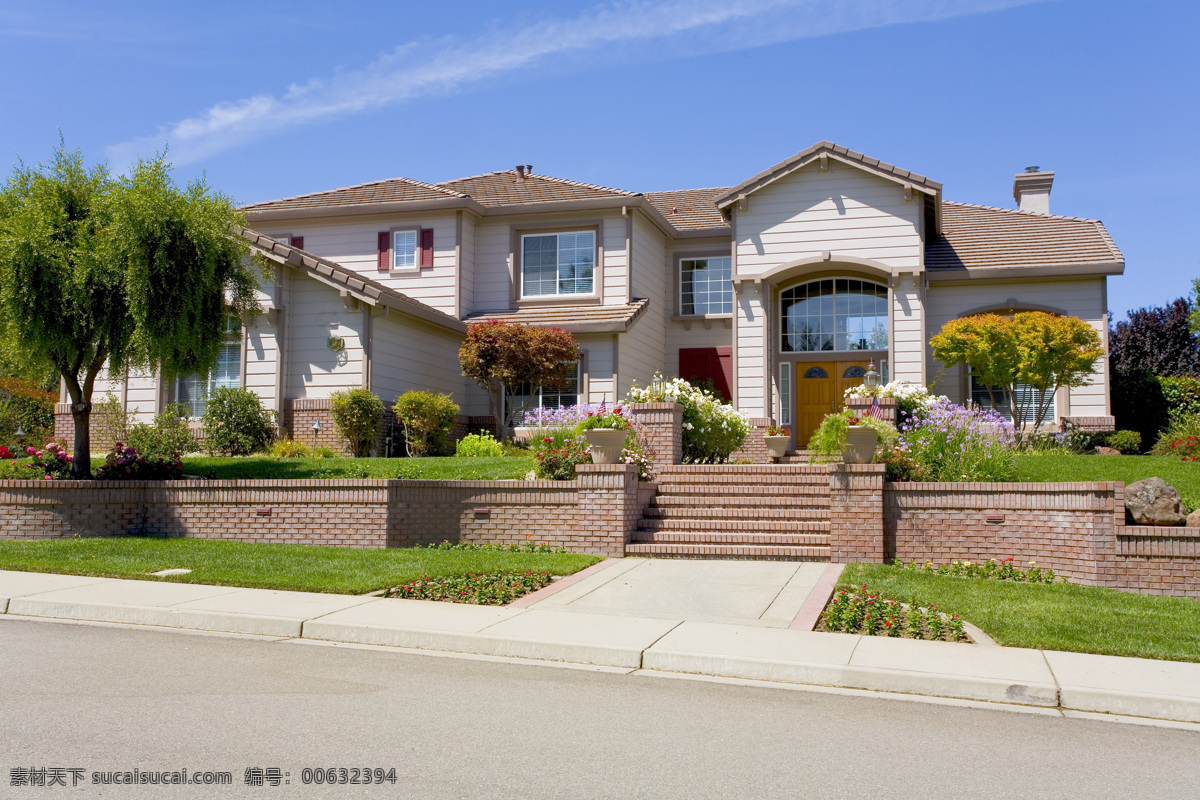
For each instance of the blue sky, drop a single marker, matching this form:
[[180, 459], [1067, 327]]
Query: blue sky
[[274, 99]]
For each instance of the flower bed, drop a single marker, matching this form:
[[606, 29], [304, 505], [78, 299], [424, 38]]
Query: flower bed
[[487, 589], [868, 613], [989, 570]]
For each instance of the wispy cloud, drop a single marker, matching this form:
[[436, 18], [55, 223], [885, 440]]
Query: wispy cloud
[[434, 67]]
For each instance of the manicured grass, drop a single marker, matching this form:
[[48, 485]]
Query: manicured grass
[[1081, 619], [455, 469], [340, 570], [1059, 466]]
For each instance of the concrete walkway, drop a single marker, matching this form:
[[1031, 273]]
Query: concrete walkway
[[643, 615]]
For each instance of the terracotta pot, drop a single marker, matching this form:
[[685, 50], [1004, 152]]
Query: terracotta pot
[[860, 444], [606, 445], [777, 445]]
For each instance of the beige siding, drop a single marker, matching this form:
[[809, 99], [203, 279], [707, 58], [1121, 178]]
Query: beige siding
[[466, 268], [407, 355], [316, 312], [643, 347], [613, 277], [907, 330], [845, 210], [262, 360], [1079, 298], [751, 357], [493, 285], [598, 362], [354, 244]]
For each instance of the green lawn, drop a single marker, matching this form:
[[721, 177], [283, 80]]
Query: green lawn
[[1081, 619], [503, 468], [340, 570], [1059, 466]]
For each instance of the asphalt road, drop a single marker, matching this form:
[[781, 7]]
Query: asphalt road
[[109, 699]]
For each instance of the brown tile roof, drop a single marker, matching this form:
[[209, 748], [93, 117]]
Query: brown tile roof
[[577, 319], [505, 188], [690, 209], [355, 283], [985, 237], [814, 153], [393, 190]]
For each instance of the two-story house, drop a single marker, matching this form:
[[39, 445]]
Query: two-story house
[[780, 290]]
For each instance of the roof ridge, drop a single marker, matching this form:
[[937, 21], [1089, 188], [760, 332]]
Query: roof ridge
[[411, 181], [702, 189], [1033, 214], [540, 176]]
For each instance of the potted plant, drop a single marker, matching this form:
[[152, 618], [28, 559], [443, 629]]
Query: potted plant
[[860, 442], [777, 440], [606, 432]]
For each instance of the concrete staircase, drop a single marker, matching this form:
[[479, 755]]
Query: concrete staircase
[[778, 512]]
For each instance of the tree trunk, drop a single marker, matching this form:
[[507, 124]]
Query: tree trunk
[[81, 465], [495, 400]]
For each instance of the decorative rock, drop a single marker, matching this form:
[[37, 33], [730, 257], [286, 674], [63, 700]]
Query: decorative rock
[[1107, 451], [1193, 519], [1153, 502]]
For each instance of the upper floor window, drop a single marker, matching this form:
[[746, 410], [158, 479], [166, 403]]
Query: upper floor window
[[558, 263], [705, 286], [834, 314], [192, 390], [404, 249]]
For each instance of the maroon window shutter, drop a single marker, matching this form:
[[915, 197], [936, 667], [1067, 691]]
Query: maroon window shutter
[[298, 242], [426, 248], [709, 366], [385, 240]]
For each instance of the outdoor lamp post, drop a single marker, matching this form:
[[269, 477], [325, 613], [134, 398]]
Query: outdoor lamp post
[[871, 379], [316, 428]]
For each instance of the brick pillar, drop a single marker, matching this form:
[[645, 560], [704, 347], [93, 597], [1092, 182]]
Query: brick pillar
[[661, 425], [859, 405], [64, 427], [608, 506], [856, 513], [755, 448]]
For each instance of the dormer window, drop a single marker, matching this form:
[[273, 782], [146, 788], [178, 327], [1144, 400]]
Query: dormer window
[[558, 263]]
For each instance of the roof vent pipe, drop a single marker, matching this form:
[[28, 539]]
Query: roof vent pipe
[[520, 172], [1031, 190]]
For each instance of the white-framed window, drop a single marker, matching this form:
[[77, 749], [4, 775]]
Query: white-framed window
[[547, 399], [1028, 399], [705, 286], [785, 393], [834, 314], [405, 244], [558, 263], [192, 390]]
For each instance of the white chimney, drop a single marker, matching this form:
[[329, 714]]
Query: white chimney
[[1031, 190]]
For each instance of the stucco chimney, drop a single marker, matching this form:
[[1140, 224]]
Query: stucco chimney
[[1031, 190], [520, 172]]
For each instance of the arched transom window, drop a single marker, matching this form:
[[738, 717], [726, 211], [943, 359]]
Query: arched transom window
[[834, 314]]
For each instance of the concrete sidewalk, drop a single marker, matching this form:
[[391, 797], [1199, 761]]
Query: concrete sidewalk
[[633, 625]]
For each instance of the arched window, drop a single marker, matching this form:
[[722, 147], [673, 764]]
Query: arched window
[[834, 314], [855, 372], [816, 372]]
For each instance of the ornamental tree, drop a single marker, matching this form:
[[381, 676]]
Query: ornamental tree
[[101, 273], [1031, 349], [1157, 340], [507, 358]]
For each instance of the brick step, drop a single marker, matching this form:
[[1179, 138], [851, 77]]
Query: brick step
[[798, 457], [813, 482], [729, 551], [801, 503], [745, 469], [732, 514], [736, 525], [724, 490], [730, 537]]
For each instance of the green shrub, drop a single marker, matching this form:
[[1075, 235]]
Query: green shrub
[[110, 421], [356, 414], [290, 448], [1182, 394], [556, 461], [1125, 441], [1181, 438], [323, 451], [235, 423], [828, 441], [428, 419], [168, 438], [479, 445], [23, 404], [125, 463], [952, 443]]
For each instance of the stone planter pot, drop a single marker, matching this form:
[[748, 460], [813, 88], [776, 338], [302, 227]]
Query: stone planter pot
[[860, 445], [606, 445], [777, 445]]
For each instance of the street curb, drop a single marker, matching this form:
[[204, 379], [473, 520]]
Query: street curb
[[165, 617]]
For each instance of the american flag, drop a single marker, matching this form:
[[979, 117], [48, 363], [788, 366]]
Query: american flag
[[875, 410]]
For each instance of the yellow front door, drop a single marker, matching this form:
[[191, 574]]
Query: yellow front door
[[820, 389]]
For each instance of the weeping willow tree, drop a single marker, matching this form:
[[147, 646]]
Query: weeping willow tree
[[117, 273]]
